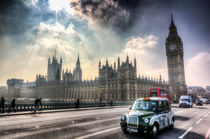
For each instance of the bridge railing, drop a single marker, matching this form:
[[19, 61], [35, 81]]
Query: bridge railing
[[53, 106]]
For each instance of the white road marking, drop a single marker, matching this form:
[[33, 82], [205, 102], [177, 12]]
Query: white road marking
[[179, 111], [199, 120], [185, 133], [207, 134], [182, 111], [97, 133], [205, 115]]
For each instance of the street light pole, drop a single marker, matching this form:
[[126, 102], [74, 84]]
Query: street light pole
[[100, 91]]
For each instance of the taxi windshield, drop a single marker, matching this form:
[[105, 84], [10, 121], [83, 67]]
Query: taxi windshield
[[144, 105]]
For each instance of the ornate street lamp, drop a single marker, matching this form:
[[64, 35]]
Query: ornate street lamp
[[100, 91]]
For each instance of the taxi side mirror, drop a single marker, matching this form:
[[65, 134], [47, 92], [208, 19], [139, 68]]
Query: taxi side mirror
[[130, 107]]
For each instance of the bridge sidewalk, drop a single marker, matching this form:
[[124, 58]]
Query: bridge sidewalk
[[59, 110]]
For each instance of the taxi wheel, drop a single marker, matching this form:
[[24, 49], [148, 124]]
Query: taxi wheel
[[155, 129], [172, 124], [124, 130]]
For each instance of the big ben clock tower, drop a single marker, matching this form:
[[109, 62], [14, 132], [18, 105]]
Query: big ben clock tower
[[175, 61]]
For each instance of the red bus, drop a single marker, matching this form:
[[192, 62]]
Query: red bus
[[159, 92]]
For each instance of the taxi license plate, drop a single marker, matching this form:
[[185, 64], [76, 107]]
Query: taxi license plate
[[132, 130]]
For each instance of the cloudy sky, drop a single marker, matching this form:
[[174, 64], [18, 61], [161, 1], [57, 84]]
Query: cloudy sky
[[30, 30]]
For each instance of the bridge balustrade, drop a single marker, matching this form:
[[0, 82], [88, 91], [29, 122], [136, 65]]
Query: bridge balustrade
[[50, 106]]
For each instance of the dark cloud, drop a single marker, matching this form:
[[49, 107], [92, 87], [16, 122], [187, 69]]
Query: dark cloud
[[17, 18], [13, 15], [148, 15], [195, 14], [116, 13]]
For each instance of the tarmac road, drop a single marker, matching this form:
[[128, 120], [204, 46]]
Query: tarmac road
[[191, 123]]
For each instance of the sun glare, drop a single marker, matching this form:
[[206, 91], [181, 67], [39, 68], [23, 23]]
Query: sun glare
[[58, 5]]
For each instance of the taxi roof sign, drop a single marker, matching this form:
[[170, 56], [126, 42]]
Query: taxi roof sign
[[147, 98]]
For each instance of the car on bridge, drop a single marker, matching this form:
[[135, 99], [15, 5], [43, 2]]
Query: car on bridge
[[208, 101], [185, 101], [148, 115], [199, 102]]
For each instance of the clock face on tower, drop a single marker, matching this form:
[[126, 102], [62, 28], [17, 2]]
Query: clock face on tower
[[172, 47]]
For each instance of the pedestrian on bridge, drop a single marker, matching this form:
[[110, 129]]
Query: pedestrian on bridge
[[12, 105], [77, 103], [2, 102], [37, 103], [111, 103]]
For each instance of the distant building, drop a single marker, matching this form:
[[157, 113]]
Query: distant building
[[208, 89], [17, 88], [196, 90], [14, 87]]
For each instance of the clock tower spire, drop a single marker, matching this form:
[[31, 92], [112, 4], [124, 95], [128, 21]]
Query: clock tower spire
[[172, 27], [175, 61]]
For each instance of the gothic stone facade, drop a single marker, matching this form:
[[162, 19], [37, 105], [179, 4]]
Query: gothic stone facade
[[118, 83], [175, 53], [122, 84], [54, 69]]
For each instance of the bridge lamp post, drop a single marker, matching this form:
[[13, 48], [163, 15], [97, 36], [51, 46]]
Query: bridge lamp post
[[100, 91]]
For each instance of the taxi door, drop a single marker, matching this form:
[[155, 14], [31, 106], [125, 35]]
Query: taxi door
[[168, 113], [164, 114]]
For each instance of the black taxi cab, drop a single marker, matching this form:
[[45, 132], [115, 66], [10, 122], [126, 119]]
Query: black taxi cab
[[148, 115]]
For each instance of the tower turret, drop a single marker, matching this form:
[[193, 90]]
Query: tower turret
[[173, 35], [78, 61], [172, 27], [114, 66], [118, 62], [107, 63], [99, 64], [61, 60], [48, 60], [54, 69], [77, 73], [160, 79], [127, 59]]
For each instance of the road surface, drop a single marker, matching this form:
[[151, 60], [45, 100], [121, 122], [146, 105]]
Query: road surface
[[191, 123]]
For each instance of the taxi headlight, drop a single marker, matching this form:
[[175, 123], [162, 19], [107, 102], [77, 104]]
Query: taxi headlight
[[123, 118], [146, 120]]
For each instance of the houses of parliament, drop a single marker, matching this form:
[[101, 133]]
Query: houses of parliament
[[117, 83]]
